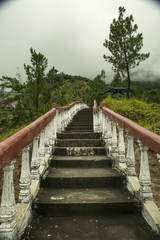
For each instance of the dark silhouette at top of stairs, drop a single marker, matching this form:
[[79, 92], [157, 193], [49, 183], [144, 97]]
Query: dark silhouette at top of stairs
[[82, 196]]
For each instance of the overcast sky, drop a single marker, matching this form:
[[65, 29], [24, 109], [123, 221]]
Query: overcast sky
[[71, 33]]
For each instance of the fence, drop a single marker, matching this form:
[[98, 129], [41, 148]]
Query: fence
[[41, 134]]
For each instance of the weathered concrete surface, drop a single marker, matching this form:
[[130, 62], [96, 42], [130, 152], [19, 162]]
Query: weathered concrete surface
[[81, 161], [130, 227]]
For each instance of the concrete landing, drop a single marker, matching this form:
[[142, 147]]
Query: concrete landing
[[126, 227]]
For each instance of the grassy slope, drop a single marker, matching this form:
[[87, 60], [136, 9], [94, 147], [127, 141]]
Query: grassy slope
[[146, 115]]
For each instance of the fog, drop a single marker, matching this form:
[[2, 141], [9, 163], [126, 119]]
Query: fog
[[71, 34]]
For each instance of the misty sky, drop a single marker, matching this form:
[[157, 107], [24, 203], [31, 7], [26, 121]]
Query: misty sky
[[71, 33]]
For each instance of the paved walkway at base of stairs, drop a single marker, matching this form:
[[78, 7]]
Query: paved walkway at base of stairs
[[121, 227]]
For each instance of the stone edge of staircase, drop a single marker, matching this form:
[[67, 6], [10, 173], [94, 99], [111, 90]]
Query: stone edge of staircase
[[24, 211], [150, 210]]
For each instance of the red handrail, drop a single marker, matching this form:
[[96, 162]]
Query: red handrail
[[147, 137], [12, 146]]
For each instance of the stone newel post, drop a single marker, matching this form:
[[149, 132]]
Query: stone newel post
[[25, 179], [35, 160], [121, 147], [144, 177], [8, 228], [130, 157]]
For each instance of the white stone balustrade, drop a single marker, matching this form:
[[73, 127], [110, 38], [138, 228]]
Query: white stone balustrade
[[114, 138], [130, 158], [35, 160], [25, 179], [8, 229], [121, 146], [109, 133], [42, 143], [144, 176], [41, 148]]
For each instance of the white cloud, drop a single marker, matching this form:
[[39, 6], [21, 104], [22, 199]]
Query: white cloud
[[71, 33]]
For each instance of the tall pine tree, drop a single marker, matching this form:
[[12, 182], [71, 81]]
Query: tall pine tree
[[124, 45]]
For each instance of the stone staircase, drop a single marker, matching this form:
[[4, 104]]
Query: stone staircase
[[82, 196]]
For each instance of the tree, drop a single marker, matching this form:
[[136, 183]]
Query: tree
[[97, 88], [36, 78], [117, 81], [124, 44], [153, 96]]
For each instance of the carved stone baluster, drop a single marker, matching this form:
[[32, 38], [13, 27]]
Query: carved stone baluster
[[109, 133], [35, 160], [25, 179], [144, 176], [98, 125], [46, 140], [103, 126], [106, 130], [130, 156], [100, 121], [8, 229], [96, 122], [58, 121], [121, 147], [41, 148], [114, 137]]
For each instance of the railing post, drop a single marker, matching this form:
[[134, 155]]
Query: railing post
[[25, 179], [58, 121], [158, 156], [8, 229], [103, 126], [46, 140], [144, 176], [109, 133], [35, 160], [130, 156], [106, 129], [114, 137], [41, 148], [121, 147]]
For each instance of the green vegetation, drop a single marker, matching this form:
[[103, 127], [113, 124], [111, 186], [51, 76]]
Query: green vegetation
[[124, 45], [24, 100], [146, 115]]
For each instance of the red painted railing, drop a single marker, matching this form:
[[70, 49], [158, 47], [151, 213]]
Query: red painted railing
[[147, 137], [11, 147]]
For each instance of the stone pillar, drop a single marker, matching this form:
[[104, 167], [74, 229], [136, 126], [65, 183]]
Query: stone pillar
[[130, 157], [58, 121], [114, 137], [8, 229], [35, 160], [25, 179], [158, 156], [46, 140], [109, 133], [103, 126], [106, 130], [41, 148], [144, 176], [121, 147]]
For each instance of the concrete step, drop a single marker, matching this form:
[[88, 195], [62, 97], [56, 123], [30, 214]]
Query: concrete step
[[81, 123], [80, 143], [81, 135], [77, 131], [81, 162], [119, 227], [79, 151], [82, 178], [73, 128], [98, 201]]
